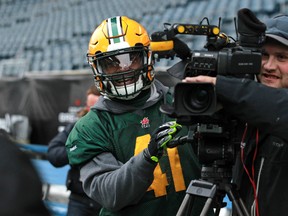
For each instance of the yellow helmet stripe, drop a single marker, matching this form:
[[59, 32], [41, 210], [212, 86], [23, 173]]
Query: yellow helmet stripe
[[115, 30]]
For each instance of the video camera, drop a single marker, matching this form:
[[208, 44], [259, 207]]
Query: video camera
[[196, 103], [238, 58]]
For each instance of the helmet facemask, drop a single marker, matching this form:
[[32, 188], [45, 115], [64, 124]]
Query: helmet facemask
[[124, 73]]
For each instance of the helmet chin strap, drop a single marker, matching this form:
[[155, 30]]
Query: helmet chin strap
[[129, 89]]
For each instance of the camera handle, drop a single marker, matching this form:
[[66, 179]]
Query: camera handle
[[209, 190]]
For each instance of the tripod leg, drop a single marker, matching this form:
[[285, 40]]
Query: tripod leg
[[237, 202], [240, 207], [206, 207], [243, 207], [185, 203], [198, 189]]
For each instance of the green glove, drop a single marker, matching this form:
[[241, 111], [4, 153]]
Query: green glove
[[159, 139]]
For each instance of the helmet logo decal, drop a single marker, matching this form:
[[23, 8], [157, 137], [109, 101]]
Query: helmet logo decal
[[145, 123], [115, 31]]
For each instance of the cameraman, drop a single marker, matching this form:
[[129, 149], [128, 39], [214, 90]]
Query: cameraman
[[261, 169]]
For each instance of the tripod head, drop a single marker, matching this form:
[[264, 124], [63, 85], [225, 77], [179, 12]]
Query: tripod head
[[216, 146]]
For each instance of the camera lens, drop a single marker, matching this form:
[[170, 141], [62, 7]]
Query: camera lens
[[198, 101], [194, 99]]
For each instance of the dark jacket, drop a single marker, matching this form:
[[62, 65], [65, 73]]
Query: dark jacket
[[20, 184], [57, 156], [264, 109]]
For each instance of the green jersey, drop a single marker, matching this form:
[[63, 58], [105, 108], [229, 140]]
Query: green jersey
[[124, 136]]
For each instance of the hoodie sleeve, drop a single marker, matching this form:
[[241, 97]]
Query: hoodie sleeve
[[114, 184]]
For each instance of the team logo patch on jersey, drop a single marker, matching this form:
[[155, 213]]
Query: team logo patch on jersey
[[145, 123]]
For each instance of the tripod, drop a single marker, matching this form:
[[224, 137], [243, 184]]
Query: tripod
[[214, 192]]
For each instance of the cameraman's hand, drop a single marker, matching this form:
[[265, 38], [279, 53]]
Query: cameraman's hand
[[200, 79], [159, 139]]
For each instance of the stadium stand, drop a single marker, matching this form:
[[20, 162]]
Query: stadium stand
[[41, 36]]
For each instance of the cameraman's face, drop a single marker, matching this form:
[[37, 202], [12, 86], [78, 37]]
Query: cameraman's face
[[274, 71]]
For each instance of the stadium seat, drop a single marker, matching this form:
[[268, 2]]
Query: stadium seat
[[31, 25]]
